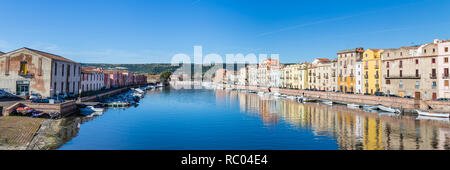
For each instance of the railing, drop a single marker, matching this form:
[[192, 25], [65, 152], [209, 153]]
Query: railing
[[28, 75], [402, 77]]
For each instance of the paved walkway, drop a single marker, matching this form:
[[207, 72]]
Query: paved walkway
[[17, 131]]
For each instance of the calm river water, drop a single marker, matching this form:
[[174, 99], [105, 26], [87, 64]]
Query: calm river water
[[206, 119]]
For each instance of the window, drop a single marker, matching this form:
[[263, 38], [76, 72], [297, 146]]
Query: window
[[446, 83], [400, 85], [56, 68], [62, 70], [387, 73], [433, 60], [446, 60], [23, 68], [446, 49], [401, 73], [388, 81], [434, 85], [417, 73], [417, 84], [425, 51], [445, 72], [401, 64], [387, 64], [417, 61], [433, 72]]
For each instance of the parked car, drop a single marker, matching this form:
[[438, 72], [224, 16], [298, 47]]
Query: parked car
[[379, 94], [392, 95], [40, 101], [443, 99], [72, 95], [63, 96], [407, 97], [367, 94], [34, 96]]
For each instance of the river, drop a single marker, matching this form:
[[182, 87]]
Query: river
[[169, 119]]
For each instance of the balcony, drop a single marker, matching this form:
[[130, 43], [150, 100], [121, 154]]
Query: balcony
[[402, 77], [28, 75], [433, 76]]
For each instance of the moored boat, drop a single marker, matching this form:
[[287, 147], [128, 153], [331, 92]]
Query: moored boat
[[433, 114], [388, 109], [352, 105]]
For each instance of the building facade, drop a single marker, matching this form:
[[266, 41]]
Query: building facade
[[25, 71], [359, 87], [372, 71], [92, 79], [411, 71], [291, 76], [320, 76], [346, 69], [443, 75]]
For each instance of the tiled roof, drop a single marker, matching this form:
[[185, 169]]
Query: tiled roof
[[52, 56], [324, 59]]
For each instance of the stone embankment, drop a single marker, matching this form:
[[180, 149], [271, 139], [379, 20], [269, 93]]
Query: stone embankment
[[407, 105]]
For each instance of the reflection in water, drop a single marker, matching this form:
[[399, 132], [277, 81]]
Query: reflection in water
[[353, 129]]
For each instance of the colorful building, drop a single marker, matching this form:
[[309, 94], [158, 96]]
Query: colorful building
[[443, 75], [346, 69], [372, 71]]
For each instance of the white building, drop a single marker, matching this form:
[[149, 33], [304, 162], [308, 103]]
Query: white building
[[359, 84], [92, 79]]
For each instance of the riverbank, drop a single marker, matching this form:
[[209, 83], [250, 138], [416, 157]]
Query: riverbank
[[406, 105]]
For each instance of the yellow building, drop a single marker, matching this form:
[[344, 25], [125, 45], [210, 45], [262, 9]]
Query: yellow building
[[294, 76], [372, 71]]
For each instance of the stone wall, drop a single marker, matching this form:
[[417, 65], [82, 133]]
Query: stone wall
[[409, 105]]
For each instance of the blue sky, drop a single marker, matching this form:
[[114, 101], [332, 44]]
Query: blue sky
[[152, 31]]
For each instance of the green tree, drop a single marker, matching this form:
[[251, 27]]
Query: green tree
[[165, 76]]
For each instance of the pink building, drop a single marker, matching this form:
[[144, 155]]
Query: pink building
[[443, 69], [112, 79]]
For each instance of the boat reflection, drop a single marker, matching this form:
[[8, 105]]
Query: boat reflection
[[353, 129]]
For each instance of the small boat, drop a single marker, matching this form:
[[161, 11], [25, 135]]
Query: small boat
[[307, 100], [37, 114], [433, 118], [252, 92], [433, 114], [388, 109], [369, 107], [327, 102], [388, 114], [276, 94], [283, 96], [118, 104], [291, 97], [89, 110], [351, 105]]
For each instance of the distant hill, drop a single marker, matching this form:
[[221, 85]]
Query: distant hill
[[142, 68]]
